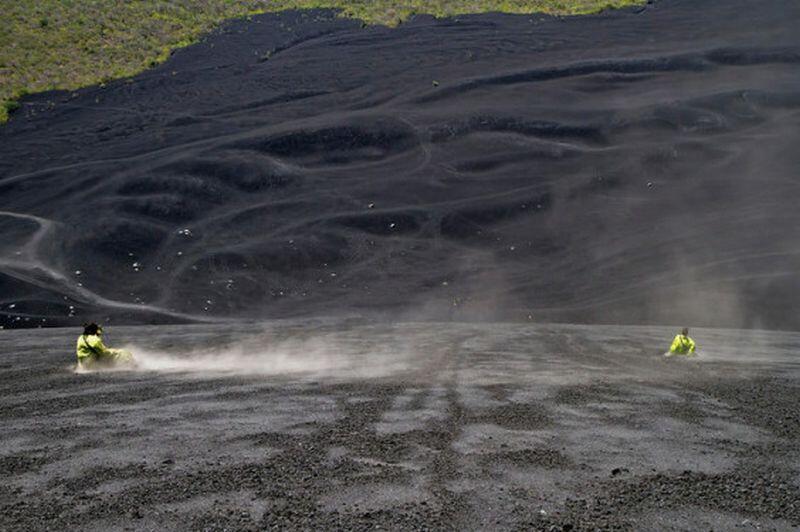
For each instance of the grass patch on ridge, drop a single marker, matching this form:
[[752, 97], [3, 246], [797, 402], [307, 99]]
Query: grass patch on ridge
[[68, 44]]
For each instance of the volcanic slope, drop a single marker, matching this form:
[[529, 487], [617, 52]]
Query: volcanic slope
[[352, 426], [636, 166]]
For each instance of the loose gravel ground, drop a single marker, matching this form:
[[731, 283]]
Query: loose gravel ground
[[414, 426]]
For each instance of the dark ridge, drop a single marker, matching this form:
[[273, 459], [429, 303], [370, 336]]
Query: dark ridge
[[741, 106], [715, 113], [223, 262], [16, 233], [469, 222], [281, 98], [183, 186], [688, 63], [383, 223], [23, 300], [675, 63], [7, 189], [77, 184], [499, 124], [240, 170], [709, 114], [548, 245], [41, 306], [776, 100], [743, 57], [595, 185], [318, 252], [660, 161], [296, 42], [371, 101], [605, 81], [168, 208], [183, 121], [337, 145], [686, 119], [255, 218], [280, 256], [495, 162], [119, 240], [356, 40]]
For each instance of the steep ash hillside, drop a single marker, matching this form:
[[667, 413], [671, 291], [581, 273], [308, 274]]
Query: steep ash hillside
[[634, 167]]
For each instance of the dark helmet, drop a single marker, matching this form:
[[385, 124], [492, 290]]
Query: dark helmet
[[91, 328], [685, 331]]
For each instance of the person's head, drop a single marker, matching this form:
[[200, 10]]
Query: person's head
[[92, 328], [685, 331]]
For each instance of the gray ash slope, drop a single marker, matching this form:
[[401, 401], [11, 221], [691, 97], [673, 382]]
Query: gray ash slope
[[637, 166], [411, 426]]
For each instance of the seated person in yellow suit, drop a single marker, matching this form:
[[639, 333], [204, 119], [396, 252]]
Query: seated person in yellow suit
[[682, 344], [93, 353]]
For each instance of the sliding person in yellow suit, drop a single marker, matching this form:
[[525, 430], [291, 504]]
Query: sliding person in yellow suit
[[93, 353], [682, 344]]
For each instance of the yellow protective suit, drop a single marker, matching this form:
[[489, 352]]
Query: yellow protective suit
[[92, 352], [682, 345]]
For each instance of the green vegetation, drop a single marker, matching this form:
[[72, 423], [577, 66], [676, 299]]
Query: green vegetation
[[66, 44]]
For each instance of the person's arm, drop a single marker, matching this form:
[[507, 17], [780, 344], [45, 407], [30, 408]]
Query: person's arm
[[99, 347], [82, 349], [692, 345], [675, 344]]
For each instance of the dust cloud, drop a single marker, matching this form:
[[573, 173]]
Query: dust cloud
[[317, 357]]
